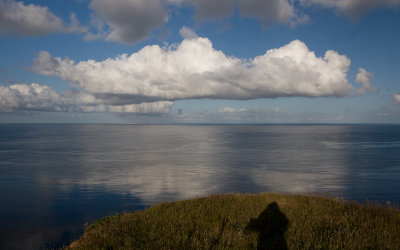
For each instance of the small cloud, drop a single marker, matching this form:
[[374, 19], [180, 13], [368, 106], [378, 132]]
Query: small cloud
[[364, 77], [396, 99], [226, 110], [187, 33], [75, 26], [46, 62], [228, 114], [277, 109], [99, 25]]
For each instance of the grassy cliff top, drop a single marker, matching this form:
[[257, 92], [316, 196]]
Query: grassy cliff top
[[247, 221]]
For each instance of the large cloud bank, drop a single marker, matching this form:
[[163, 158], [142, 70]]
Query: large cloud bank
[[150, 80], [193, 69]]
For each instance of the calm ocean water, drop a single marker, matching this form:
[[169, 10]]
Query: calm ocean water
[[54, 178]]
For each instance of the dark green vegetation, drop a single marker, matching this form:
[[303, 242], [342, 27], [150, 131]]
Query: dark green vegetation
[[246, 221]]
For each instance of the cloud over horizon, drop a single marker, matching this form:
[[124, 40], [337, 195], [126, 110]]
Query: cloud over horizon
[[150, 80], [193, 69], [35, 97]]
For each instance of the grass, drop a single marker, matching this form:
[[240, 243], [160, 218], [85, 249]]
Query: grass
[[248, 221]]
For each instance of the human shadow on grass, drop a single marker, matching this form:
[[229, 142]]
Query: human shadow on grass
[[271, 226]]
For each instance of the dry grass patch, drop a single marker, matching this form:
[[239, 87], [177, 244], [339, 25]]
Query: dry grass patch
[[247, 221]]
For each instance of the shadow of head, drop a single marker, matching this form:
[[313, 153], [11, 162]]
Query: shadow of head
[[271, 226]]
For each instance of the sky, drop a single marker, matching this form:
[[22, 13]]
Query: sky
[[200, 61]]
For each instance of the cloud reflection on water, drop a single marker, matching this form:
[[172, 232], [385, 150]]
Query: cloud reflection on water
[[178, 162]]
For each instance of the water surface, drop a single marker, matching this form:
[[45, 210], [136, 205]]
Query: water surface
[[54, 178]]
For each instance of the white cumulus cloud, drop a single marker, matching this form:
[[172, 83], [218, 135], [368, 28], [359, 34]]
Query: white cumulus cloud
[[193, 69], [32, 19]]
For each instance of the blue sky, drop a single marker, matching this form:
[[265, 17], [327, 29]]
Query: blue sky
[[203, 61]]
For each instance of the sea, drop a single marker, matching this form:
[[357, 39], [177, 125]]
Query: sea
[[55, 179]]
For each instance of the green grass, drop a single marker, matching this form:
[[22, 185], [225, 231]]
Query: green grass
[[247, 221]]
